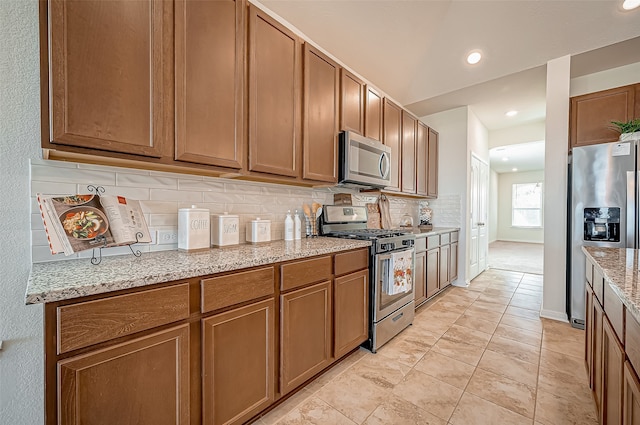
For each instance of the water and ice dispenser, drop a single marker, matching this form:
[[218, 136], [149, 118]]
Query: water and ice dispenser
[[602, 224]]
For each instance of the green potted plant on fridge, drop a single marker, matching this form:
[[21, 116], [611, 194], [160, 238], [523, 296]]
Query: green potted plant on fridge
[[629, 130]]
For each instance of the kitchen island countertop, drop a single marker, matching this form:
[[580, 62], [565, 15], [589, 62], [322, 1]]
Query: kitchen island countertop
[[62, 280], [619, 266], [434, 231]]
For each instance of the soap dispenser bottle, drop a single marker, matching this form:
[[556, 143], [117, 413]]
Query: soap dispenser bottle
[[288, 227], [297, 226]]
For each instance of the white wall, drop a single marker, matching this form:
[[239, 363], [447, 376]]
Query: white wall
[[608, 79], [21, 359], [452, 175], [505, 231], [530, 132], [493, 206], [555, 174]]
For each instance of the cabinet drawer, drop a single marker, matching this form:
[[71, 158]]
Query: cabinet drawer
[[236, 288], [444, 238], [421, 244], [351, 261], [632, 341], [598, 285], [91, 322], [304, 272], [433, 241], [588, 272], [454, 236], [614, 309]]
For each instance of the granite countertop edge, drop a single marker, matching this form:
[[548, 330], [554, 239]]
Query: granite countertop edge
[[435, 231], [619, 267], [68, 279]]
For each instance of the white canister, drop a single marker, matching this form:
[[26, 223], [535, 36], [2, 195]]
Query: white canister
[[224, 229], [259, 231], [193, 228]]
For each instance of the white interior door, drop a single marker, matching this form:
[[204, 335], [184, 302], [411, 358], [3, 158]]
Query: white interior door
[[478, 217]]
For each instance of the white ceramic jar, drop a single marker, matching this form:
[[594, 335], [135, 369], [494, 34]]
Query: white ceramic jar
[[259, 231], [225, 229], [193, 228]]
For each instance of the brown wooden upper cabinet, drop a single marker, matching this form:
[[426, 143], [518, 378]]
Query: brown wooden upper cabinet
[[208, 89], [422, 159], [392, 132], [591, 115], [432, 167], [409, 124], [274, 96], [111, 78], [320, 116], [373, 114], [352, 94]]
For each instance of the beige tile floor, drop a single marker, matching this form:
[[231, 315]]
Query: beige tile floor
[[477, 355]]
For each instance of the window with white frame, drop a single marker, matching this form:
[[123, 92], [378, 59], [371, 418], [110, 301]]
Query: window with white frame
[[526, 205]]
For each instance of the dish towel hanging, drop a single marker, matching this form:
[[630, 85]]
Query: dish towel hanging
[[401, 278]]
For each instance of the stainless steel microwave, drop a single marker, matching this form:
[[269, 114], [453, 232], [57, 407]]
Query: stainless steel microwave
[[364, 161]]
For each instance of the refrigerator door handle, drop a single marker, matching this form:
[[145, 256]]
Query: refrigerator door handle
[[631, 209]]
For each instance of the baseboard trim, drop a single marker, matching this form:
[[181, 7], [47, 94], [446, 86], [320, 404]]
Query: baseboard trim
[[518, 240], [554, 315]]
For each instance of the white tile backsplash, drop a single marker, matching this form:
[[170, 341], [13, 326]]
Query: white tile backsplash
[[163, 193]]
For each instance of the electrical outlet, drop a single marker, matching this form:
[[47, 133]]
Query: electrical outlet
[[167, 237]]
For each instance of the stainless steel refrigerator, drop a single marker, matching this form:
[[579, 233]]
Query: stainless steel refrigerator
[[603, 202]]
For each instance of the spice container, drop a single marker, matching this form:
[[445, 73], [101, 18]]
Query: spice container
[[193, 228], [225, 229], [259, 231]]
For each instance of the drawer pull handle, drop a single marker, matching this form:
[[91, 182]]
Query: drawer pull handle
[[395, 319]]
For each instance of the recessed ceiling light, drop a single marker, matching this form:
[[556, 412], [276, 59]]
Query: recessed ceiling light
[[505, 158], [630, 4], [474, 57], [514, 169], [513, 113]]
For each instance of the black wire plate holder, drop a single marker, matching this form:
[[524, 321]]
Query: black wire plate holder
[[102, 240]]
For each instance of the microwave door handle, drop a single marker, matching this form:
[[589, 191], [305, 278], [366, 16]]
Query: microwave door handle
[[383, 165]]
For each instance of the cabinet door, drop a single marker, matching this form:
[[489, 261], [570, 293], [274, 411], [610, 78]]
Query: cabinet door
[[239, 353], [351, 102], [433, 268], [432, 168], [596, 334], [422, 159], [445, 251], [144, 381], [110, 74], [373, 114], [631, 402], [588, 338], [409, 124], [305, 334], [392, 132], [453, 262], [612, 376], [209, 82], [591, 115], [274, 96], [320, 135], [351, 312], [420, 278]]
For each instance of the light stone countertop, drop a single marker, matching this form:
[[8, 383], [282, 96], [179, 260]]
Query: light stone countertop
[[62, 280], [619, 266], [435, 231]]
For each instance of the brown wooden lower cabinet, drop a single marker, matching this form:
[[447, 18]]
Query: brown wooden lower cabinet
[[432, 270], [305, 334], [351, 307], [420, 278], [144, 382], [444, 280], [453, 262], [238, 368], [631, 401], [588, 338], [612, 376], [596, 369]]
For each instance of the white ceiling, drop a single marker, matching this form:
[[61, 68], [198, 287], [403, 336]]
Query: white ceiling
[[523, 157], [414, 50]]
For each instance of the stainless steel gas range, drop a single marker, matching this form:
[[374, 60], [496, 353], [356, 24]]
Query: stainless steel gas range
[[391, 270]]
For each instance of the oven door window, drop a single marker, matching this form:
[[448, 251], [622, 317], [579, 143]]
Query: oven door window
[[394, 280]]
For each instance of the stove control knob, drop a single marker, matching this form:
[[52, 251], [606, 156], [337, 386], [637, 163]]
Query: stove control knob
[[386, 246], [408, 242]]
